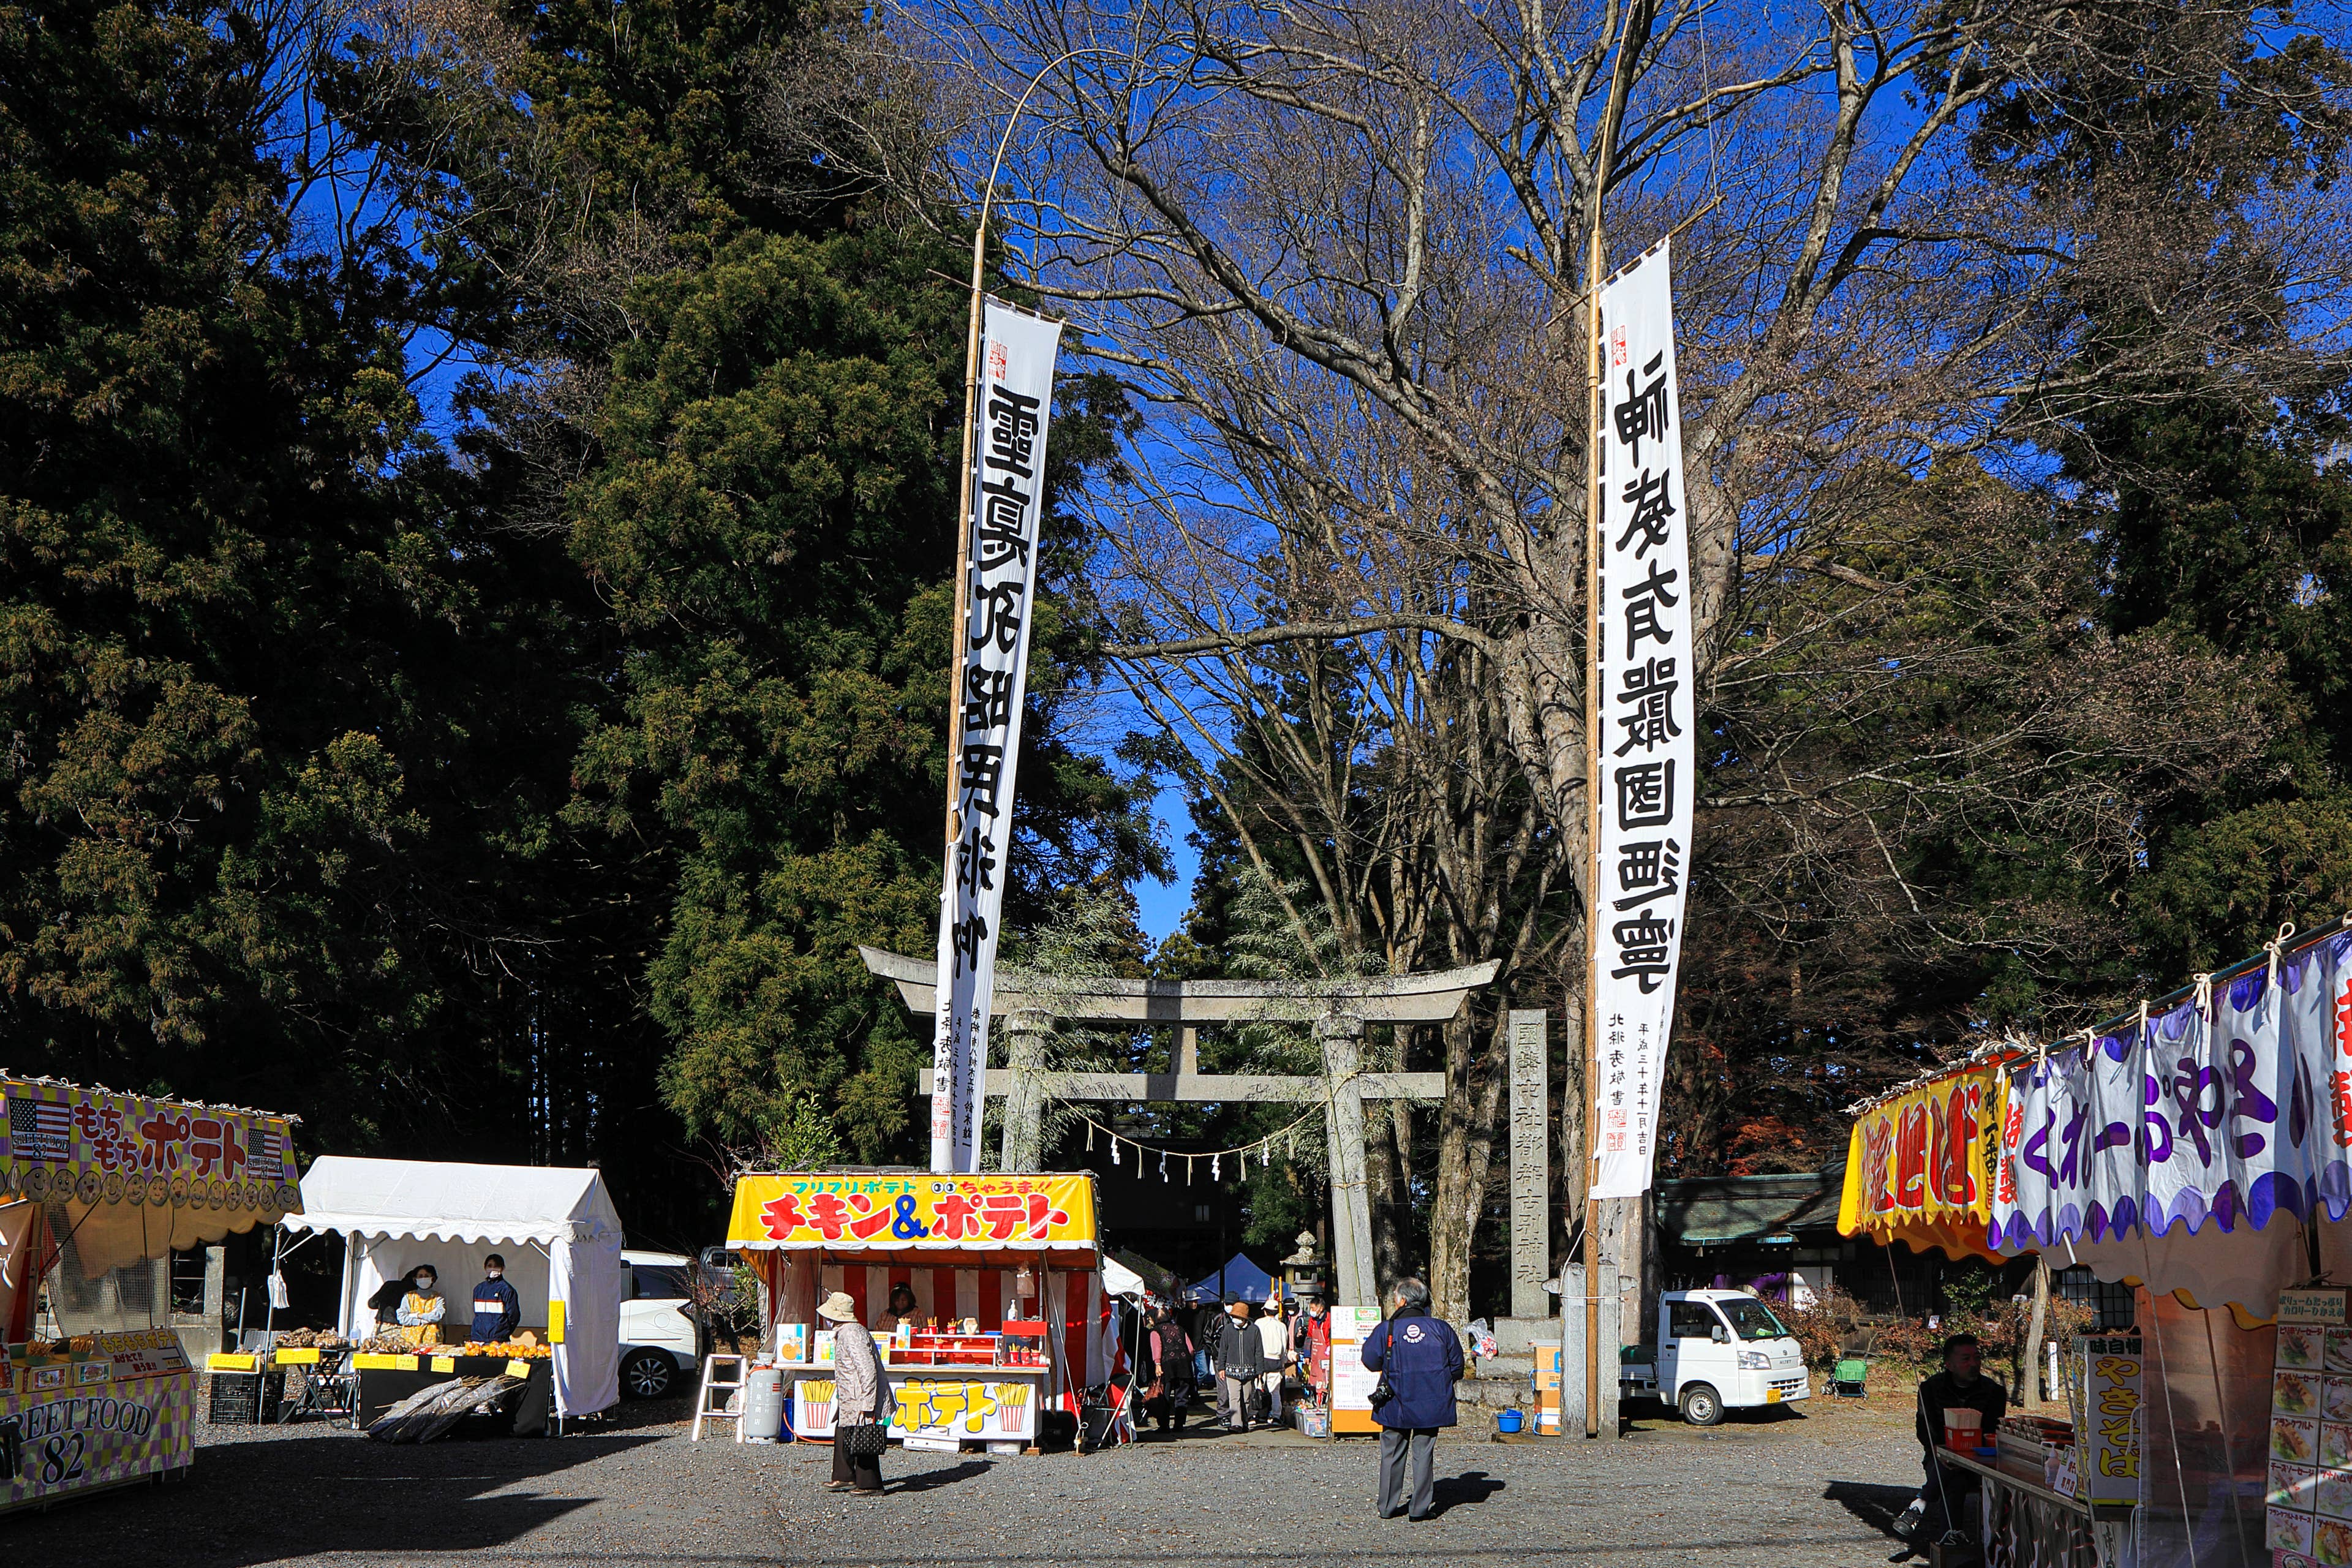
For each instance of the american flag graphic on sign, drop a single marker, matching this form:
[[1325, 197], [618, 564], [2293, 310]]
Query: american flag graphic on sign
[[264, 1158], [39, 1130]]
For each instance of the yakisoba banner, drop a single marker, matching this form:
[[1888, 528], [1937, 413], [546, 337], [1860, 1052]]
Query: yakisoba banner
[[1918, 1169], [909, 1213]]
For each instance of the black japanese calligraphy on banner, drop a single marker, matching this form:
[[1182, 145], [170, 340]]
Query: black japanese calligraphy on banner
[[1647, 720], [1016, 393]]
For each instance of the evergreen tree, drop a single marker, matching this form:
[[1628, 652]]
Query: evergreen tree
[[204, 585], [751, 369], [2184, 142]]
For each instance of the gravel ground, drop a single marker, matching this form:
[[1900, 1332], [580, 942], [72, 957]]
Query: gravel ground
[[1809, 1488]]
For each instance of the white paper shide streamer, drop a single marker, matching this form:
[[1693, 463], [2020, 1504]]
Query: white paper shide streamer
[[1016, 388], [1646, 737]]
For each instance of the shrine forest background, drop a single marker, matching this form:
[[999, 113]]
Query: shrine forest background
[[477, 510]]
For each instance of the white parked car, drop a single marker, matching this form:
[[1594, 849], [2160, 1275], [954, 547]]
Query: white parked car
[[661, 1340]]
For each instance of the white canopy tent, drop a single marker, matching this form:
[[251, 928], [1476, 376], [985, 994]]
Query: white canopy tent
[[556, 1227], [1118, 1280]]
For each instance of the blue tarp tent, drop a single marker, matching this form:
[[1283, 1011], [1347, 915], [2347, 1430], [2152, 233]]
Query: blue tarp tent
[[1238, 1278]]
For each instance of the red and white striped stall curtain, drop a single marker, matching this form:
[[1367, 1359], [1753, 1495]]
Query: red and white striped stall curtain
[[1072, 1301]]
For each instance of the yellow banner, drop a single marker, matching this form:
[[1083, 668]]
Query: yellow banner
[[1916, 1166], [923, 1213]]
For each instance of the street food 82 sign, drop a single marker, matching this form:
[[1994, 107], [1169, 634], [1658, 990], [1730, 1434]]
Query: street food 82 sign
[[85, 1440]]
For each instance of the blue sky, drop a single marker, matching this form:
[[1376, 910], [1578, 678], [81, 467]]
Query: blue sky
[[1160, 908]]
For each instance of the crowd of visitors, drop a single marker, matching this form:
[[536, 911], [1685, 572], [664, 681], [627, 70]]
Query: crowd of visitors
[[1234, 1359]]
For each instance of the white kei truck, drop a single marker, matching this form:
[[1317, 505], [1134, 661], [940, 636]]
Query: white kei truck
[[1713, 1351]]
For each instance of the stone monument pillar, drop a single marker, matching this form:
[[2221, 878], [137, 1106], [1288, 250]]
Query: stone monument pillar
[[1530, 1128]]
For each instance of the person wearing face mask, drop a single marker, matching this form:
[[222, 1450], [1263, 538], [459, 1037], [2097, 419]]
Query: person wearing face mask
[[422, 1309], [497, 1310], [1310, 1348], [386, 1302]]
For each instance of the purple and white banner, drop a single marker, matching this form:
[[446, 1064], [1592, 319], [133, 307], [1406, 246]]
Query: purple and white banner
[[1016, 397], [2231, 1107], [1647, 720]]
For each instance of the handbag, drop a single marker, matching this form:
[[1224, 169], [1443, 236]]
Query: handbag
[[866, 1438], [1384, 1391]]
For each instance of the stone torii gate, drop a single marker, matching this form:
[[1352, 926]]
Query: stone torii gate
[[1337, 1010]]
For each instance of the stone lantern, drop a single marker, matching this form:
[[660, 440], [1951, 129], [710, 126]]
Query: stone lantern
[[1303, 1269]]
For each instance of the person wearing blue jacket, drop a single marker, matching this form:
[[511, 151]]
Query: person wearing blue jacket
[[1422, 1358], [497, 1310]]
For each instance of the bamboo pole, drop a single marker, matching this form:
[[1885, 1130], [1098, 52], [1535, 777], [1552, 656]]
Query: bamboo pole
[[1595, 267], [958, 632]]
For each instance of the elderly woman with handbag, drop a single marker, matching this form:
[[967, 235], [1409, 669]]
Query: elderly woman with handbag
[[861, 1402]]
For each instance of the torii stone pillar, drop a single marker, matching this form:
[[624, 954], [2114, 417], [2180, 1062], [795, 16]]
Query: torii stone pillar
[[1342, 1040], [1024, 1105]]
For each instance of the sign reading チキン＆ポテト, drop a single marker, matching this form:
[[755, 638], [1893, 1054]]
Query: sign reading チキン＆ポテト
[[1008, 481], [1647, 724], [913, 1214]]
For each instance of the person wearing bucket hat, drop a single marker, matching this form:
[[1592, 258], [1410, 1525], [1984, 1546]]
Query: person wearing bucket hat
[[861, 1399]]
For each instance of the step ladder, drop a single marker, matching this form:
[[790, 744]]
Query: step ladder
[[714, 1384]]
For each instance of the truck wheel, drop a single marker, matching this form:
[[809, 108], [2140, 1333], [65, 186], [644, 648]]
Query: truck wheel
[[1702, 1406]]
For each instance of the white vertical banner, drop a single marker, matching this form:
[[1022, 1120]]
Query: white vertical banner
[[1647, 717], [1016, 397]]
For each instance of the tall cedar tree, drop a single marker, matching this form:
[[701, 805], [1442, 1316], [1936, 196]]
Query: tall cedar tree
[[288, 712], [204, 593], [764, 500], [2224, 513]]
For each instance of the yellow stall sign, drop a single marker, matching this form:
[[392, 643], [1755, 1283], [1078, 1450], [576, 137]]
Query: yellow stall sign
[[926, 1213]]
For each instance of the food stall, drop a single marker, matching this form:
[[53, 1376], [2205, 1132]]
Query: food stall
[[1005, 1271], [2200, 1150], [559, 1233], [1923, 1169], [94, 1186]]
